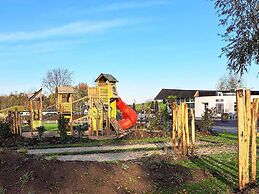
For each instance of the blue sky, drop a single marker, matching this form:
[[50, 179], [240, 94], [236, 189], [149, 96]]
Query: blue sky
[[146, 44]]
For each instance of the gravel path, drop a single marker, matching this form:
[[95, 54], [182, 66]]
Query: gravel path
[[97, 148], [105, 157]]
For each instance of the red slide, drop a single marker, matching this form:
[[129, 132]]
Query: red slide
[[129, 115]]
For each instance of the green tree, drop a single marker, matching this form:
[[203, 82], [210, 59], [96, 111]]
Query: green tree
[[62, 126], [241, 20]]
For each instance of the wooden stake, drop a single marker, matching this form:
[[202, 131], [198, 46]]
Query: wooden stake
[[193, 129], [174, 123], [183, 129], [241, 124], [247, 134], [186, 122], [253, 139], [179, 130]]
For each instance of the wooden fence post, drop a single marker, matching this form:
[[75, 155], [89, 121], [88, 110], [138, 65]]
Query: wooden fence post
[[253, 141], [183, 130], [193, 129], [174, 125], [186, 124], [241, 125], [247, 133], [179, 125]]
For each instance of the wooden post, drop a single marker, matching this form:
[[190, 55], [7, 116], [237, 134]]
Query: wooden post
[[253, 139], [174, 124], [241, 125], [179, 131], [186, 123], [247, 134], [193, 129], [31, 117], [183, 129]]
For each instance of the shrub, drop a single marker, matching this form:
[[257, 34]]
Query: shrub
[[62, 126], [5, 130], [41, 131], [160, 121], [208, 119]]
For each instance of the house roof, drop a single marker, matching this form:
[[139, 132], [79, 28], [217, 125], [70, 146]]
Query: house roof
[[106, 77], [165, 93], [36, 95]]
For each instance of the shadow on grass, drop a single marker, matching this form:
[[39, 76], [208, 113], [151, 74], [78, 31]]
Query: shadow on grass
[[220, 170]]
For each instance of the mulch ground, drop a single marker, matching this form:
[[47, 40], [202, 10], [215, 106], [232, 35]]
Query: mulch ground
[[20, 173]]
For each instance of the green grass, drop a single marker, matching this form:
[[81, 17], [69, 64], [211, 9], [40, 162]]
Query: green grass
[[147, 106], [220, 138], [211, 185], [51, 126], [222, 167]]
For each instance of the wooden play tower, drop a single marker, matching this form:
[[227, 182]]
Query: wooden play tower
[[65, 104], [102, 105], [35, 107]]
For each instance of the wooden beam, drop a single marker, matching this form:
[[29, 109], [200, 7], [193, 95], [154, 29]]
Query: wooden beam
[[174, 124], [193, 129], [253, 139], [186, 123], [247, 134], [241, 124]]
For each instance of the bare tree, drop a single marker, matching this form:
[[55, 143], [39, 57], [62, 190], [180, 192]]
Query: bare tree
[[57, 77], [230, 82]]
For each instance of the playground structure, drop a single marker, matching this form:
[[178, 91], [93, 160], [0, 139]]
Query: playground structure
[[247, 133], [102, 104], [180, 130], [12, 115], [35, 108]]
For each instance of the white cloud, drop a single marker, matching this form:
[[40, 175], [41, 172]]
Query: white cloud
[[133, 5], [82, 27]]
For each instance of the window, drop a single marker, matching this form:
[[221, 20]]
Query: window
[[235, 106], [220, 108]]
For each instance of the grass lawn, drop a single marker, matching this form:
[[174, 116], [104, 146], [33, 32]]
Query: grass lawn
[[224, 170], [220, 138], [51, 126]]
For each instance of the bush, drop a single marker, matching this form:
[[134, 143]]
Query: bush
[[5, 130], [160, 121], [208, 120], [41, 131], [62, 126]]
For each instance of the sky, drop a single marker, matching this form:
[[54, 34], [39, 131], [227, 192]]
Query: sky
[[146, 44]]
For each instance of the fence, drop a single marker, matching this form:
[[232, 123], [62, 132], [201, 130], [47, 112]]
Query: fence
[[247, 133], [180, 130]]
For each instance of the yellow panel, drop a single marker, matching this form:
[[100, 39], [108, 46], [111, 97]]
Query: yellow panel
[[36, 124]]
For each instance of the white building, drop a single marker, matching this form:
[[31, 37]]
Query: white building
[[223, 101]]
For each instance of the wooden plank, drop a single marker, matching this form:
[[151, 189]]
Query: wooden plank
[[247, 134], [240, 115], [174, 125], [193, 129], [179, 132], [253, 139], [183, 129], [186, 123]]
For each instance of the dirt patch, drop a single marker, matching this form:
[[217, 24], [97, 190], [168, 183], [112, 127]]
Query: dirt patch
[[22, 174]]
